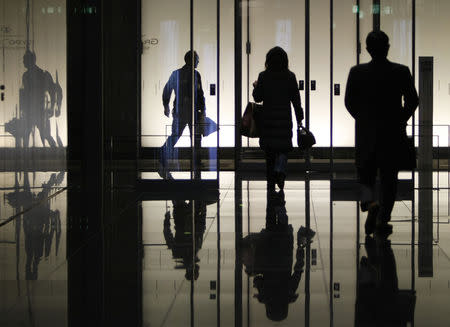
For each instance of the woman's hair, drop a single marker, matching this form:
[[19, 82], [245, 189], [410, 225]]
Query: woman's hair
[[277, 59]]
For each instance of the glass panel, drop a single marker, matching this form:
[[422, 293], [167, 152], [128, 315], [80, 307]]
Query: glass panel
[[344, 57], [226, 132], [320, 71], [273, 23], [431, 40], [33, 65], [396, 22], [205, 44], [165, 37], [365, 27], [167, 93]]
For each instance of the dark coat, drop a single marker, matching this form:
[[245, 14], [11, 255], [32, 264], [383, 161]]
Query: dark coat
[[180, 82], [374, 97], [277, 90]]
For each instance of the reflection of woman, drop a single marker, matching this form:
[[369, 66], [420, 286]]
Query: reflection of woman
[[268, 256], [277, 88]]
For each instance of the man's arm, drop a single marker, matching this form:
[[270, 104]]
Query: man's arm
[[411, 99], [168, 236], [298, 269], [50, 87], [351, 94], [200, 96], [167, 92]]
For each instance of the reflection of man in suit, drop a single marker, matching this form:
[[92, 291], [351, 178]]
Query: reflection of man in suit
[[185, 236], [180, 82], [381, 97], [379, 302], [267, 256]]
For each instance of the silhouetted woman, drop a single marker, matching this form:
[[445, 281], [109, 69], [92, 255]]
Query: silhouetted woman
[[277, 88]]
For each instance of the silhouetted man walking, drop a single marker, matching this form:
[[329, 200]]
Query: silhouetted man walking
[[180, 82], [381, 97]]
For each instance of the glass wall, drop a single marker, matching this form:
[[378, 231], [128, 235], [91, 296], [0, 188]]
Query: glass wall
[[183, 139], [33, 59], [431, 40], [344, 57], [33, 141], [266, 24]]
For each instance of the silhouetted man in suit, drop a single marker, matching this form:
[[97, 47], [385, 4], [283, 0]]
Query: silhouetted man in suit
[[381, 96], [180, 82], [379, 301]]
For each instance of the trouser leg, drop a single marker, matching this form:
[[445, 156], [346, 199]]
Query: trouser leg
[[367, 178], [280, 163], [388, 193], [167, 148], [45, 132], [270, 173], [197, 146]]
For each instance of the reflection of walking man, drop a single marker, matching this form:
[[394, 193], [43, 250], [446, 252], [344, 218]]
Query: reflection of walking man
[[381, 97], [188, 239], [180, 82]]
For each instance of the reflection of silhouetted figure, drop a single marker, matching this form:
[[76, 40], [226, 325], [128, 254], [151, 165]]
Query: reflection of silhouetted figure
[[40, 224], [180, 82], [277, 88], [268, 256], [40, 99], [379, 301], [381, 97], [186, 236]]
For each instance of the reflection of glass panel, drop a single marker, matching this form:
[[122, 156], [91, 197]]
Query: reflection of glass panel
[[180, 257], [34, 73], [33, 249]]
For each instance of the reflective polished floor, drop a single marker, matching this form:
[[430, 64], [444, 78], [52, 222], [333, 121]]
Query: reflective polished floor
[[237, 259]]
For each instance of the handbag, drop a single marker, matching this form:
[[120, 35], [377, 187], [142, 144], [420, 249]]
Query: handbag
[[250, 123], [207, 126], [305, 139]]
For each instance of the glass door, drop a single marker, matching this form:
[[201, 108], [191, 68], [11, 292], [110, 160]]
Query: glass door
[[267, 24], [33, 78], [180, 97]]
